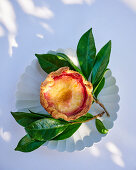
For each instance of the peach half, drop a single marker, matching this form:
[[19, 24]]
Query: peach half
[[66, 94]]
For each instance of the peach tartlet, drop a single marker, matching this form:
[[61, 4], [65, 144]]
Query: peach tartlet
[[66, 94]]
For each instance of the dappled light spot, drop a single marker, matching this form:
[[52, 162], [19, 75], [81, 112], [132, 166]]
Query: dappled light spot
[[12, 43], [47, 27], [2, 32], [40, 36], [113, 148], [95, 151], [116, 154], [118, 160], [8, 19], [7, 16], [131, 4], [70, 2], [30, 8], [6, 136]]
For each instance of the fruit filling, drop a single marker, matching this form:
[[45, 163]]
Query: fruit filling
[[68, 93]]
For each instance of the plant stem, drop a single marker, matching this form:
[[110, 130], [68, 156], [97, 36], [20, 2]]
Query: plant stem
[[95, 117], [98, 102]]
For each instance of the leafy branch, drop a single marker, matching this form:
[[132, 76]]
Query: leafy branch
[[40, 127]]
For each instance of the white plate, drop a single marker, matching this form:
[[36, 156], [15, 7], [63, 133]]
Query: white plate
[[28, 97]]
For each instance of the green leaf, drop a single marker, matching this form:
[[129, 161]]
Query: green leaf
[[84, 118], [101, 63], [99, 87], [52, 62], [70, 62], [86, 52], [47, 116], [27, 144], [100, 126], [41, 114], [46, 128], [69, 131], [24, 119]]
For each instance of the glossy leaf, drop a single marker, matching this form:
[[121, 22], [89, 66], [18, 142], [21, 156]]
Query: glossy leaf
[[41, 114], [24, 119], [100, 126], [68, 132], [52, 62], [27, 144], [71, 129], [99, 87], [70, 62], [47, 116], [46, 128], [84, 118], [86, 52], [101, 63]]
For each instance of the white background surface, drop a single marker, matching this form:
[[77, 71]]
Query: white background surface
[[61, 24]]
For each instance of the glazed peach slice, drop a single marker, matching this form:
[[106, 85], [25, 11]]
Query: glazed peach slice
[[65, 94]]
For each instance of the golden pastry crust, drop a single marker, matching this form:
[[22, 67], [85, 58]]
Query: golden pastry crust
[[51, 108]]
